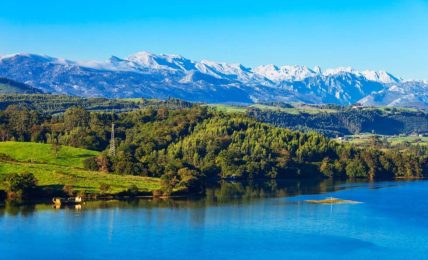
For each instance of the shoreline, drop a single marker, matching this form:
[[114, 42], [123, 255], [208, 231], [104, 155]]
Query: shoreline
[[178, 195]]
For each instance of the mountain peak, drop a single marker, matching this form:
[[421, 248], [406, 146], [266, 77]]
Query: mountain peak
[[26, 55], [115, 59], [161, 75], [284, 73], [339, 70], [380, 76]]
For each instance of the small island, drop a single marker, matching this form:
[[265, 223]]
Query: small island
[[332, 200]]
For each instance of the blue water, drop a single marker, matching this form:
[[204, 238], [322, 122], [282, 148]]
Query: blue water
[[233, 222]]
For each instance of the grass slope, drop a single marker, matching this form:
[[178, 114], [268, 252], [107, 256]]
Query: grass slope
[[8, 86], [364, 140], [42, 153], [52, 172], [294, 110]]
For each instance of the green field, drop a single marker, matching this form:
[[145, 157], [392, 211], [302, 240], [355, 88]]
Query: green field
[[67, 169], [43, 154], [296, 109], [228, 108], [364, 139]]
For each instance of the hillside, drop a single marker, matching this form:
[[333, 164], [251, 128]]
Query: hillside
[[52, 104], [333, 120], [183, 146], [342, 121], [149, 75], [8, 86], [42, 154], [54, 172]]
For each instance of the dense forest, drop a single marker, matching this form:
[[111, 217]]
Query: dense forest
[[347, 121], [185, 144], [53, 104]]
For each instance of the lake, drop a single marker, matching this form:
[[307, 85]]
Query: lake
[[268, 220]]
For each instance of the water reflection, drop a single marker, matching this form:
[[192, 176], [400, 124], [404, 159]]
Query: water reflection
[[220, 193]]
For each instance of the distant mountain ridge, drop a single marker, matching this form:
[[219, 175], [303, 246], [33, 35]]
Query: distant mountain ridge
[[161, 76]]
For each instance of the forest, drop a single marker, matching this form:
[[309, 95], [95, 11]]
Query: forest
[[186, 144], [348, 121]]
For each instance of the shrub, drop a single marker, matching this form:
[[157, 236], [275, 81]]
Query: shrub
[[19, 185], [91, 164], [68, 189], [132, 190], [356, 169], [184, 179]]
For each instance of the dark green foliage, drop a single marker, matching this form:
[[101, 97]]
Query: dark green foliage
[[184, 144], [132, 191], [76, 117], [348, 121], [17, 123], [91, 164], [19, 185], [356, 169], [183, 179], [68, 189], [54, 104]]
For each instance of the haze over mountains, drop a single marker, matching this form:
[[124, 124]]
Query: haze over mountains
[[161, 76]]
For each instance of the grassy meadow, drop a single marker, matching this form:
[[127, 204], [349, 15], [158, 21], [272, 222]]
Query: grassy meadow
[[296, 108], [66, 169], [43, 154], [393, 141]]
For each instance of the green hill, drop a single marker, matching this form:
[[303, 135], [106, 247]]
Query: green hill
[[66, 169], [42, 154], [8, 86]]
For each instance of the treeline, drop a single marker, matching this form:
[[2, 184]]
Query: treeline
[[348, 121], [53, 104], [184, 146]]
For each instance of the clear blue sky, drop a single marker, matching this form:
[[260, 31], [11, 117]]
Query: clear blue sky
[[373, 34]]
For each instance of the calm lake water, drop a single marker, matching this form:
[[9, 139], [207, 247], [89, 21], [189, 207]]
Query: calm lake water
[[268, 220]]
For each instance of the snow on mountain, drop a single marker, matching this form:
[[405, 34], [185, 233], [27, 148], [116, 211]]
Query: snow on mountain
[[162, 61], [340, 70], [377, 76], [145, 74], [289, 73], [407, 94], [380, 76]]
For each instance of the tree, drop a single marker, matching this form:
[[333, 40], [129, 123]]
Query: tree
[[169, 181], [190, 180], [55, 145], [104, 163], [19, 185], [183, 179], [91, 163], [326, 167], [356, 169], [132, 190], [20, 121], [76, 117], [162, 113], [68, 189]]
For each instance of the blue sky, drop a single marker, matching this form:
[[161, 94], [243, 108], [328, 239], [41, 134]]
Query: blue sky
[[365, 34]]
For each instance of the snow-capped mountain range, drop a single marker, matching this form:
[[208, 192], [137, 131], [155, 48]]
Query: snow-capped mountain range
[[161, 76]]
